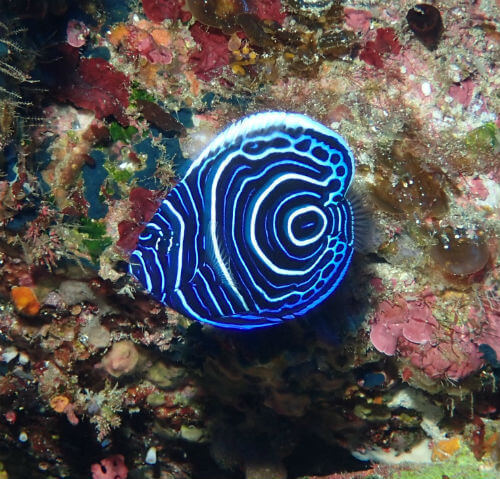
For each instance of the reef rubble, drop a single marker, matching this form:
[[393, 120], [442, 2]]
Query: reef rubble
[[103, 104]]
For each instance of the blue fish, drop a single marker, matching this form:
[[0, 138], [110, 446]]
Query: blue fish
[[259, 231]]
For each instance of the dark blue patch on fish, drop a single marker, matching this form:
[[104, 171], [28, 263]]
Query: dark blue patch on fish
[[259, 231]]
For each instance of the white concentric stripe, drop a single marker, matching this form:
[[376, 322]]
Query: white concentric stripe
[[155, 227], [181, 242], [158, 215], [213, 278], [253, 221], [228, 301], [275, 213], [211, 294], [215, 243], [196, 222], [344, 215], [261, 174], [337, 220], [158, 265], [191, 312], [138, 255], [226, 162], [300, 211]]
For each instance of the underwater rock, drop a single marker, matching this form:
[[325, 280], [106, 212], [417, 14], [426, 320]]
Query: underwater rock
[[445, 449], [260, 468], [406, 185], [95, 334], [313, 7], [165, 377], [121, 359], [77, 191]]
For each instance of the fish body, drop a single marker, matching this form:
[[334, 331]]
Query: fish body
[[259, 231]]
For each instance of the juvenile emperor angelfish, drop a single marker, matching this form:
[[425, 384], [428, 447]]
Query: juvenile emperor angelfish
[[259, 231]]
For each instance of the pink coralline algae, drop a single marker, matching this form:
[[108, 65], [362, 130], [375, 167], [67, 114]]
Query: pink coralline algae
[[490, 335], [159, 10], [269, 10], [213, 53], [453, 359], [98, 87], [411, 320], [410, 329], [474, 187], [143, 43], [462, 92], [388, 326], [358, 20], [144, 39], [77, 33], [386, 42], [112, 467]]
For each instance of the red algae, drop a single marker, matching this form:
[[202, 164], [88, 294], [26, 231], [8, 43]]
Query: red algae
[[268, 10], [159, 10], [462, 92], [99, 87], [358, 20], [388, 325], [77, 33], [386, 42], [143, 205], [213, 54]]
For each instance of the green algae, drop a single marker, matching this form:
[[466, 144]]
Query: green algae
[[156, 399], [120, 175], [96, 240], [462, 466], [483, 138], [119, 133], [140, 94]]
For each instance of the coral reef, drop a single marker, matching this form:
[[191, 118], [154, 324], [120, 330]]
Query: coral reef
[[395, 377]]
